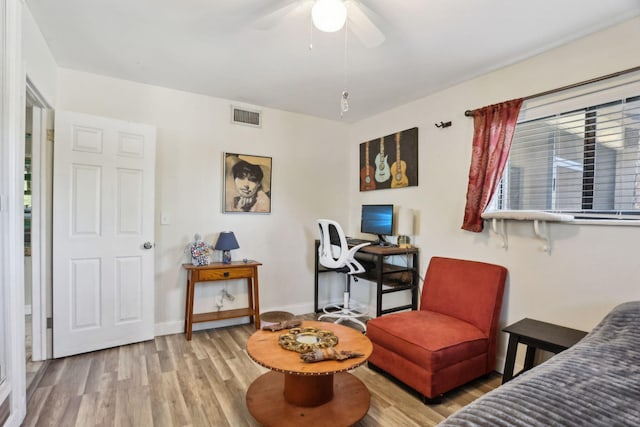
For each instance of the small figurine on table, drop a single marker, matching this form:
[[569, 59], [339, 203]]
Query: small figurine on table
[[320, 354], [199, 251]]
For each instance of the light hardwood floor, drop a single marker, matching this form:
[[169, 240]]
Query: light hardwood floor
[[170, 381]]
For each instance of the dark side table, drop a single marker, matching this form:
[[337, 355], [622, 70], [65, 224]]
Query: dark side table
[[536, 335]]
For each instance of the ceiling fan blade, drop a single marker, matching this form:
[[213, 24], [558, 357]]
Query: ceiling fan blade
[[363, 28], [279, 12]]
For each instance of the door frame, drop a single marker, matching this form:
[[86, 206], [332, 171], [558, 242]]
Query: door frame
[[40, 221], [11, 208]]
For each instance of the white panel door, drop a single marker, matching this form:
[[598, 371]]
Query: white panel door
[[103, 213]]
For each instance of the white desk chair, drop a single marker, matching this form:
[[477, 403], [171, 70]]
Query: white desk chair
[[335, 254]]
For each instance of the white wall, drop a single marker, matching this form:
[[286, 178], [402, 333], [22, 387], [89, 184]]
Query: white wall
[[590, 268], [310, 167], [40, 66]]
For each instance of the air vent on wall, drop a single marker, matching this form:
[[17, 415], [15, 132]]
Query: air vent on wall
[[243, 116]]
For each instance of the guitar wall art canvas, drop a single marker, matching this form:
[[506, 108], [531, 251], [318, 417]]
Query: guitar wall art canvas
[[390, 161], [247, 183]]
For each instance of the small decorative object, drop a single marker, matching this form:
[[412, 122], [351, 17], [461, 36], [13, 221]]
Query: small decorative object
[[286, 324], [303, 340], [320, 354], [247, 183], [404, 241], [199, 251], [226, 242]]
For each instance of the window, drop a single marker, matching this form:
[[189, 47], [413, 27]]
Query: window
[[578, 155]]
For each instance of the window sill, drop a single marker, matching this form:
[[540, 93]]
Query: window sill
[[540, 220], [617, 222], [528, 216]]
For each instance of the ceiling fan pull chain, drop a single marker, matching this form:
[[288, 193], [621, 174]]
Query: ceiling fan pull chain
[[344, 103], [310, 32]]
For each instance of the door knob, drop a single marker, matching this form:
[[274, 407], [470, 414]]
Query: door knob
[[147, 245]]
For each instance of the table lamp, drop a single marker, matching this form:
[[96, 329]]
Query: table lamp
[[226, 242], [405, 227]]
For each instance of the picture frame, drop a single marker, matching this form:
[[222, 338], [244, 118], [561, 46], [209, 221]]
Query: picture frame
[[390, 161], [247, 184]]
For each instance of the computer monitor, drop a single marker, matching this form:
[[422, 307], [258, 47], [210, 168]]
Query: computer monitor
[[377, 219]]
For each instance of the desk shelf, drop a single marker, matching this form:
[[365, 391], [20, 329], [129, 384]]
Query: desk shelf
[[388, 278], [390, 283]]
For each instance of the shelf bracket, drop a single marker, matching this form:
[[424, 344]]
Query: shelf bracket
[[537, 230], [540, 221], [499, 231]]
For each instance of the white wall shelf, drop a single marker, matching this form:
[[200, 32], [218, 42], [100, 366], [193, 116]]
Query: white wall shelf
[[539, 219]]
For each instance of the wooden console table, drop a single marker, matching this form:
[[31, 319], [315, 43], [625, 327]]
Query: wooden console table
[[220, 271], [295, 393]]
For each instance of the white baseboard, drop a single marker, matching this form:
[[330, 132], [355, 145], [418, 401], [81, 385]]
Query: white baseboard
[[177, 326], [297, 309], [499, 365]]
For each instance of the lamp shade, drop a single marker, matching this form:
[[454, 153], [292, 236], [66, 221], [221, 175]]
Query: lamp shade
[[329, 15], [226, 241], [405, 222]]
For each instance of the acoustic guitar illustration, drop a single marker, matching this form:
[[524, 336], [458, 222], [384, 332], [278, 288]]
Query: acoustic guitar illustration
[[399, 168], [366, 174], [382, 165]]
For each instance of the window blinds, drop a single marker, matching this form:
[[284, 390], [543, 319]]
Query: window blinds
[[577, 154]]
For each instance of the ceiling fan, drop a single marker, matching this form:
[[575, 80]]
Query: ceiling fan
[[328, 16]]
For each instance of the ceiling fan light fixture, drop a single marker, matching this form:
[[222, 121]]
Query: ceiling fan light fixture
[[329, 15]]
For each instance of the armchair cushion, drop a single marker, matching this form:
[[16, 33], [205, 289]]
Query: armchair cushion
[[446, 341]]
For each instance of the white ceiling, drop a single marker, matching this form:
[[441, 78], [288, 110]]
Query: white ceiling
[[214, 47]]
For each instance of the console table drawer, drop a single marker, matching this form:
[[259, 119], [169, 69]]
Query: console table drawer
[[232, 273]]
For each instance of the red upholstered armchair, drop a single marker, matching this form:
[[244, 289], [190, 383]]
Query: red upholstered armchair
[[452, 338]]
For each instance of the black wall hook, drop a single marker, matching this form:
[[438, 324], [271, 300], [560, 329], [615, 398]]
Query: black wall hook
[[443, 125]]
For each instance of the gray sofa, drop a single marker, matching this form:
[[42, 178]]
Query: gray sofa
[[594, 383]]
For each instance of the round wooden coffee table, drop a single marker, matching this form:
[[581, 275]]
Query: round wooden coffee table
[[297, 393]]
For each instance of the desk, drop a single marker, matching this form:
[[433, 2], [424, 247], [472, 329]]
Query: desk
[[296, 393], [536, 335], [220, 271], [388, 278]]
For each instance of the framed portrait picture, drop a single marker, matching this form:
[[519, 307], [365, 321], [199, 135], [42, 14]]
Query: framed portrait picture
[[390, 161], [247, 184]]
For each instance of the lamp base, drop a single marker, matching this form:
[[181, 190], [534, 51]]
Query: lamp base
[[226, 257], [404, 242]]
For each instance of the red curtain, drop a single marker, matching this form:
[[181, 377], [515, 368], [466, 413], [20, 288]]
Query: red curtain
[[493, 132]]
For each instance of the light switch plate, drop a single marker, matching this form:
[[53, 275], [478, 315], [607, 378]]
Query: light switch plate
[[165, 219]]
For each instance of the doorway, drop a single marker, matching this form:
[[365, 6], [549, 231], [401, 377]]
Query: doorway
[[37, 234]]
